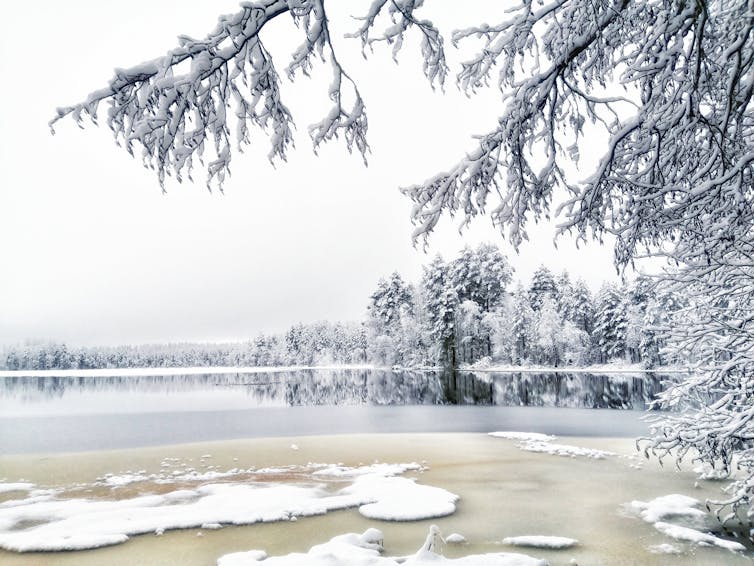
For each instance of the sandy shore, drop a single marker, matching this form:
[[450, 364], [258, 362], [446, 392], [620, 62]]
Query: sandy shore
[[504, 492]]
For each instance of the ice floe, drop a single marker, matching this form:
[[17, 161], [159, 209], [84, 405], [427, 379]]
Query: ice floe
[[364, 550], [74, 524], [543, 443], [455, 538], [539, 541]]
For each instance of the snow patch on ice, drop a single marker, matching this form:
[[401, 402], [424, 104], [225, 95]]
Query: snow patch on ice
[[241, 558], [514, 435], [664, 548], [112, 480], [401, 499], [68, 524], [455, 538], [538, 541], [564, 450], [380, 469], [6, 487], [686, 511], [543, 443], [672, 507]]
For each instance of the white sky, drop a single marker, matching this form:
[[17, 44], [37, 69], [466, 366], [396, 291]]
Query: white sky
[[94, 253]]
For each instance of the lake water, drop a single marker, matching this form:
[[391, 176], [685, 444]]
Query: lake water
[[75, 413], [503, 489]]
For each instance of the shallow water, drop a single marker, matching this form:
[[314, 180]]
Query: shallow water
[[45, 414], [504, 492]]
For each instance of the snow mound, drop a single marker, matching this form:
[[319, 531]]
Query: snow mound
[[455, 538], [692, 535], [513, 435], [364, 550], [401, 499], [672, 507], [538, 541], [68, 524]]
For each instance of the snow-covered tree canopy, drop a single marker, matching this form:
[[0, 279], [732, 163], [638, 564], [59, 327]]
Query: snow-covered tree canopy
[[668, 82]]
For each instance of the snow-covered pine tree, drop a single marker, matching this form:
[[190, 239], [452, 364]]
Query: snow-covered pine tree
[[471, 343], [391, 322], [495, 274], [542, 285], [440, 301], [465, 275], [564, 296], [392, 298], [582, 306], [660, 313], [548, 330], [522, 326], [639, 293], [610, 323]]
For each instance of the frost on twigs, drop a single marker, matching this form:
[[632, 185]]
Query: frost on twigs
[[351, 123], [402, 17]]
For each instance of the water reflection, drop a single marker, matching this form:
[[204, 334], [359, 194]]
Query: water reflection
[[582, 390], [74, 395]]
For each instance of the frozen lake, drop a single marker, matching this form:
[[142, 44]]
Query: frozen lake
[[74, 413]]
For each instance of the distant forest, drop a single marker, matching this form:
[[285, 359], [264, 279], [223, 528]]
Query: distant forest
[[462, 312]]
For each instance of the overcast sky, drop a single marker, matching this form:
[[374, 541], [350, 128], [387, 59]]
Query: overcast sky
[[94, 253]]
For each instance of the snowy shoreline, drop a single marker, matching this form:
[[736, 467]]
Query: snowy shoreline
[[212, 485], [218, 370], [160, 372]]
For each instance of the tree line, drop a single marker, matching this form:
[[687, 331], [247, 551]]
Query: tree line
[[465, 311], [319, 343]]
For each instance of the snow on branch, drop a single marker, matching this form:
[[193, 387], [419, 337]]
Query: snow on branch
[[173, 114], [518, 160], [679, 139], [174, 106], [211, 92]]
